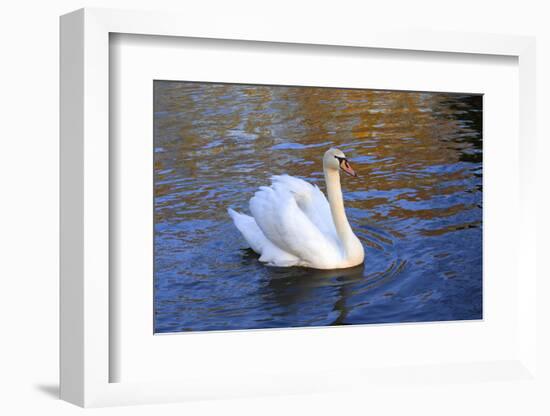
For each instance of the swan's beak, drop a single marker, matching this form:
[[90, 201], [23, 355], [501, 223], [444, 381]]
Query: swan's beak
[[346, 167]]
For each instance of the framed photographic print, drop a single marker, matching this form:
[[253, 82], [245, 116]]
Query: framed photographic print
[[311, 217]]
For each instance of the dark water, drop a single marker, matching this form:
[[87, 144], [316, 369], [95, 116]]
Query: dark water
[[416, 205]]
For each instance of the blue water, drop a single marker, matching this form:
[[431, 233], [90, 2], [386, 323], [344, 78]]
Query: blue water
[[416, 206]]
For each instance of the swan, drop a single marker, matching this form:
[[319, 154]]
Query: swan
[[293, 224]]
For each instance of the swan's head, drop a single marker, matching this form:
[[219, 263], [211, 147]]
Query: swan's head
[[336, 159]]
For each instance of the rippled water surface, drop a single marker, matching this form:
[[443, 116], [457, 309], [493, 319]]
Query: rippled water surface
[[416, 205]]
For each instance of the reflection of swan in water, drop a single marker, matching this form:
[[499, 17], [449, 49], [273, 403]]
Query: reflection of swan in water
[[319, 286], [293, 224], [295, 287], [311, 278]]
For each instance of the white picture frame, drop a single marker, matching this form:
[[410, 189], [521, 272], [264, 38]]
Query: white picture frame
[[86, 356]]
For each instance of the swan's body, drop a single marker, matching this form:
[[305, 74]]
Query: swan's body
[[293, 224]]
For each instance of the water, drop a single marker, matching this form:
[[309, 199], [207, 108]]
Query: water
[[416, 205]]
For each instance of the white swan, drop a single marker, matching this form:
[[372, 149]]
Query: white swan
[[293, 224]]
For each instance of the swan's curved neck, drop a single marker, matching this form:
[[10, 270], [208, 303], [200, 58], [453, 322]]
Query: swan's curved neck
[[336, 201]]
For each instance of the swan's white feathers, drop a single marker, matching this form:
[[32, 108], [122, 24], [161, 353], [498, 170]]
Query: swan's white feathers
[[291, 227], [249, 229], [312, 201], [269, 253]]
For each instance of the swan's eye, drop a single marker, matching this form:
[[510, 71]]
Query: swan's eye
[[341, 159]]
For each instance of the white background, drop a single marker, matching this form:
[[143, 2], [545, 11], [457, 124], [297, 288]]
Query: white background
[[29, 209]]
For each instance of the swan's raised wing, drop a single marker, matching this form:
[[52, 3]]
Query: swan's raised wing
[[312, 201], [287, 226]]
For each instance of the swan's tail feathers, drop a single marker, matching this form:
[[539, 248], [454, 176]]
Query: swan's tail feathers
[[269, 252], [249, 229]]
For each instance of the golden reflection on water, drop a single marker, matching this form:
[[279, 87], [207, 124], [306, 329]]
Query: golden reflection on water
[[239, 132]]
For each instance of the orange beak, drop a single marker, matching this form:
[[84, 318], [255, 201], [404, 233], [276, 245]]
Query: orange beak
[[346, 167]]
